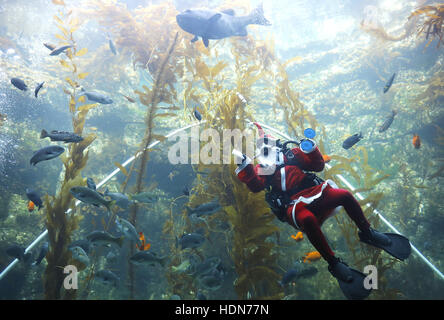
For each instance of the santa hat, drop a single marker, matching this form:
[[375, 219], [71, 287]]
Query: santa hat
[[264, 138]]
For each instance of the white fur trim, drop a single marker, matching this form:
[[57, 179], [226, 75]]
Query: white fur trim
[[283, 183], [311, 199]]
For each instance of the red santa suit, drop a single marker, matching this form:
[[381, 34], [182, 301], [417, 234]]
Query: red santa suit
[[309, 207]]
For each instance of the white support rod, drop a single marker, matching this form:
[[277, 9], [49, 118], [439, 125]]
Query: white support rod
[[101, 183], [386, 222]]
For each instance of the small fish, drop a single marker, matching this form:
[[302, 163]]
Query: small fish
[[107, 277], [388, 122], [311, 256], [211, 24], [186, 191], [144, 197], [46, 153], [143, 246], [172, 174], [389, 83], [42, 254], [49, 46], [205, 209], [91, 184], [352, 140], [298, 237], [190, 240], [89, 196], [33, 196], [197, 114], [104, 238], [299, 270], [57, 51], [16, 251], [64, 136], [416, 141], [184, 266], [83, 243], [19, 84], [31, 206], [120, 199], [129, 99], [147, 258], [112, 46], [326, 158], [37, 89], [126, 227], [96, 97]]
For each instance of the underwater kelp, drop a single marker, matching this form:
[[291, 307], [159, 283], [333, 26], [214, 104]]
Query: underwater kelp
[[247, 213], [60, 225], [432, 25]]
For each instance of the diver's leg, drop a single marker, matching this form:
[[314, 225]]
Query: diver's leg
[[333, 198], [309, 224]]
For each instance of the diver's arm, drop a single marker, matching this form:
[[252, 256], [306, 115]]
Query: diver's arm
[[248, 175], [310, 160]]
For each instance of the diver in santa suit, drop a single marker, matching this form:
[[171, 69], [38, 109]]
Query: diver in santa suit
[[303, 200]]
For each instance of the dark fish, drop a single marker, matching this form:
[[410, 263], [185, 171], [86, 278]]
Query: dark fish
[[129, 99], [16, 251], [190, 240], [46, 153], [389, 83], [19, 84], [90, 196], [34, 197], [37, 89], [96, 97], [42, 254], [388, 122], [104, 238], [205, 209], [121, 199], [57, 51], [112, 47], [90, 183], [352, 140], [107, 277], [64, 136], [49, 46], [213, 281], [211, 24], [299, 270], [197, 114], [83, 243], [186, 191], [147, 258], [207, 266]]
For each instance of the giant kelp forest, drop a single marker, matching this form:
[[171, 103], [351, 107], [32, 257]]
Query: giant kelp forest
[[159, 79]]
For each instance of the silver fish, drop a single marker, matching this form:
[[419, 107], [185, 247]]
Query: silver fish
[[59, 50]]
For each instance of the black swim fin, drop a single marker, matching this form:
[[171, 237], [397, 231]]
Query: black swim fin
[[399, 246], [355, 289], [350, 281]]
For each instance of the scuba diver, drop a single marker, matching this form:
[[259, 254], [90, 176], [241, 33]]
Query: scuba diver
[[303, 200]]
